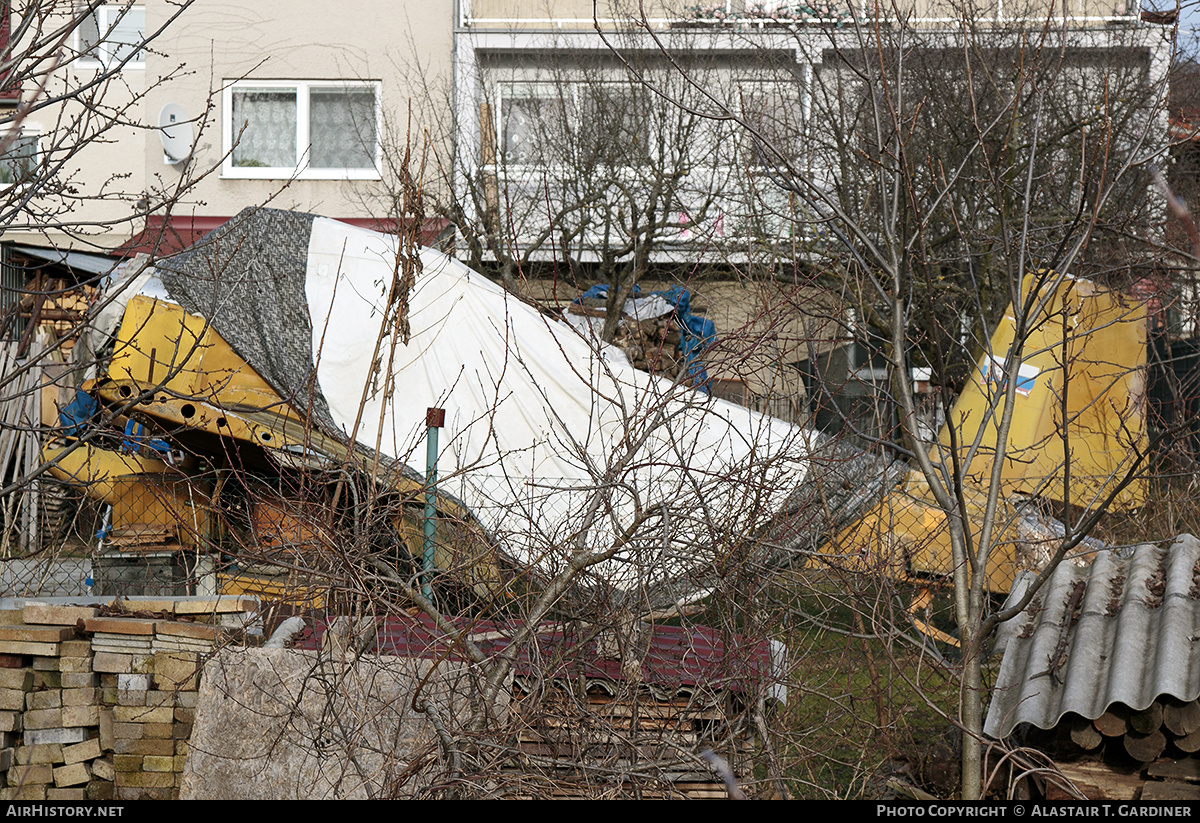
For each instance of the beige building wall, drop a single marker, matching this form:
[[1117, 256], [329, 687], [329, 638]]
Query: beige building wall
[[104, 144], [90, 141], [404, 49]]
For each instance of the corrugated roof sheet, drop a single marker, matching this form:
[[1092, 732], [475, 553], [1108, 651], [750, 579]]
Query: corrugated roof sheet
[[671, 658], [1130, 636], [78, 260]]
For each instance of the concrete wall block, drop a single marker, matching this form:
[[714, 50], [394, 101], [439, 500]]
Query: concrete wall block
[[10, 721], [144, 747], [81, 716], [146, 780], [143, 714], [103, 769], [30, 791], [81, 697], [34, 737], [80, 680], [45, 679], [45, 753], [76, 649], [159, 731], [128, 731], [111, 662], [16, 679], [43, 719], [22, 775], [12, 700], [75, 774], [45, 699], [176, 670], [87, 750], [158, 763], [106, 730], [129, 682], [74, 665]]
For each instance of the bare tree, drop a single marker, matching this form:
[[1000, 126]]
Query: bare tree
[[962, 176], [649, 503], [568, 165], [73, 120]]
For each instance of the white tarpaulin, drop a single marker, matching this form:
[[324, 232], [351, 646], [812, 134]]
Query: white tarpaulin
[[554, 446]]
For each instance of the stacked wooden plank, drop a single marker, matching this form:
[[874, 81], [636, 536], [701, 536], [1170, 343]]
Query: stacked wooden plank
[[98, 703], [645, 737]]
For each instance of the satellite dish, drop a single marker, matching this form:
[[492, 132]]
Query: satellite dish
[[175, 131]]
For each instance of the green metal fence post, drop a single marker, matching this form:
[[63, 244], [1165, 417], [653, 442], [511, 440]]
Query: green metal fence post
[[434, 420]]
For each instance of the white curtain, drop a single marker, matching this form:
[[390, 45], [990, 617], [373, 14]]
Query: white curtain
[[268, 139], [342, 128], [127, 30]]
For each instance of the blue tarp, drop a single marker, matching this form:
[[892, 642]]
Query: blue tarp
[[697, 333]]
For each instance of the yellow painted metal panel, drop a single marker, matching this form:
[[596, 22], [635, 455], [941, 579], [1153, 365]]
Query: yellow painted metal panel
[[292, 590], [160, 346], [907, 535], [144, 493], [1078, 420]]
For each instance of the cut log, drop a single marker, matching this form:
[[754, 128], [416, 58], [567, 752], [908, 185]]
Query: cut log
[[1114, 722], [1189, 744], [1083, 733], [1145, 747], [1186, 769], [1148, 720], [1169, 790], [1181, 718], [1097, 781]]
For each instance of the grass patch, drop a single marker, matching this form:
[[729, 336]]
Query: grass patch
[[867, 699]]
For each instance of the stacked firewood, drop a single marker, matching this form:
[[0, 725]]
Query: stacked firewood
[[1127, 754], [650, 345], [1144, 735]]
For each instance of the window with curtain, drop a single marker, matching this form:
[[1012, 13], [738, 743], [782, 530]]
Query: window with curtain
[[306, 129], [535, 121]]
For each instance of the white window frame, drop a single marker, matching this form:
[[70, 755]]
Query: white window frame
[[785, 93], [301, 170], [35, 133], [569, 92], [100, 55], [526, 90]]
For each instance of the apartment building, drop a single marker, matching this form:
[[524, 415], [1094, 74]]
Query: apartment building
[[261, 106], [588, 143], [729, 137], [310, 116]]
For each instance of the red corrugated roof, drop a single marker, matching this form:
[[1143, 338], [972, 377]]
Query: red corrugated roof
[[674, 657]]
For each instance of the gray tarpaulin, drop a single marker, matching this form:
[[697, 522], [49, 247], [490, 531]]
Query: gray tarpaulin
[[247, 278]]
